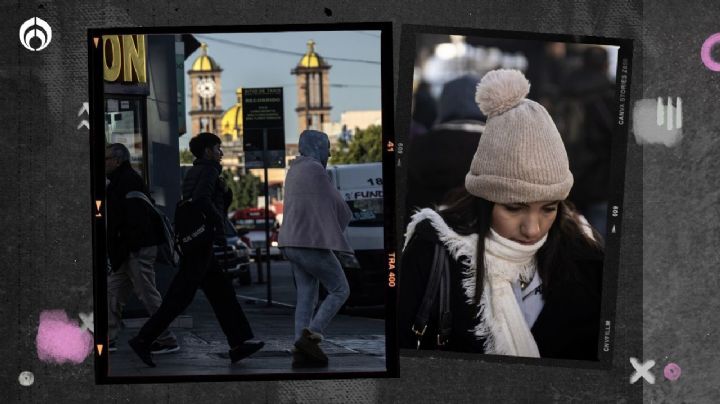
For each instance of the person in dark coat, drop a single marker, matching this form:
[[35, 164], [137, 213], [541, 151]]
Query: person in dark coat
[[591, 97], [525, 274], [198, 267], [134, 232], [437, 161], [424, 111]]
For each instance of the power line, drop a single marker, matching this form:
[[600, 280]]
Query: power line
[[293, 85], [355, 85], [283, 52], [366, 33]]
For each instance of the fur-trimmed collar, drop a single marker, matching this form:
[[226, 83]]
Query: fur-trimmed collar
[[462, 248]]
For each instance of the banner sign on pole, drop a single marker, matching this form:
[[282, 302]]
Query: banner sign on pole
[[263, 109]]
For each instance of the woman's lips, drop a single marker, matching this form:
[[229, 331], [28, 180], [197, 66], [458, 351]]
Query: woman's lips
[[525, 242]]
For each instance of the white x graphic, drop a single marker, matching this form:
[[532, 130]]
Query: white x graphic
[[642, 371], [87, 322]]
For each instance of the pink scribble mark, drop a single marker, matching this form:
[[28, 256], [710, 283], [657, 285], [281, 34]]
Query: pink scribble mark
[[672, 371], [61, 340], [706, 55]]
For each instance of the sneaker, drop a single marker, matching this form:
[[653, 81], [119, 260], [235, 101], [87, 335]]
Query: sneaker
[[112, 346], [244, 350], [142, 349], [308, 344], [158, 348], [300, 360]]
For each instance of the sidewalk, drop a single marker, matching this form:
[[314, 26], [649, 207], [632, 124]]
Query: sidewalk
[[353, 344]]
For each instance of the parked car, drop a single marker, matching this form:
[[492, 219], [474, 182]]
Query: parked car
[[250, 224], [234, 258], [361, 187]]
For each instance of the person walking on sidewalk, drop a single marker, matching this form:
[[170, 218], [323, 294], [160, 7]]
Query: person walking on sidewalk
[[133, 234], [315, 216], [198, 266]]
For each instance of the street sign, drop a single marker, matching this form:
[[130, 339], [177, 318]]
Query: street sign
[[263, 113]]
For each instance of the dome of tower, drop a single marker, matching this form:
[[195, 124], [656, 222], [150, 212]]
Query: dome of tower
[[232, 120], [205, 63], [311, 58]]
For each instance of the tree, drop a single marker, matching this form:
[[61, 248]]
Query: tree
[[245, 190], [186, 157], [364, 147]]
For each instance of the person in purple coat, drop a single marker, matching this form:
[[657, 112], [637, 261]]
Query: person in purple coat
[[315, 218]]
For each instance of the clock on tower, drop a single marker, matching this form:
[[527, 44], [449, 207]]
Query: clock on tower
[[205, 89]]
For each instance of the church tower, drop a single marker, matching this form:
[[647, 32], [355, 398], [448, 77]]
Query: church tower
[[313, 90], [205, 102]]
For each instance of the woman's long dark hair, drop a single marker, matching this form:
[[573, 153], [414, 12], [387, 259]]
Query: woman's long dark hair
[[566, 241]]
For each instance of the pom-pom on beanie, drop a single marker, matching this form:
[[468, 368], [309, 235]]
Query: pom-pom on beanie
[[521, 157]]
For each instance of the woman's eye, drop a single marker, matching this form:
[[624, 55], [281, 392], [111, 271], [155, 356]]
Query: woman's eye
[[512, 208], [550, 209]]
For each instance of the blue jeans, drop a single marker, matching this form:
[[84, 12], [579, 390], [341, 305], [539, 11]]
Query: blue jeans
[[311, 266]]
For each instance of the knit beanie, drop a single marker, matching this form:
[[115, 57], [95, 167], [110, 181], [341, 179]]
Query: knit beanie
[[520, 157]]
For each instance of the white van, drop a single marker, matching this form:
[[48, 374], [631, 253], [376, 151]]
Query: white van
[[361, 187]]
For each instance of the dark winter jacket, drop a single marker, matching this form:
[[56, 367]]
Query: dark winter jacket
[[567, 327], [131, 223], [204, 184], [590, 96], [438, 161]]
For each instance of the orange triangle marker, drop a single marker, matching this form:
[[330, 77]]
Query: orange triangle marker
[[98, 203], [99, 348], [96, 40]]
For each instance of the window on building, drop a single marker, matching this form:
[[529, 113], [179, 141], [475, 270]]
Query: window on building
[[124, 124]]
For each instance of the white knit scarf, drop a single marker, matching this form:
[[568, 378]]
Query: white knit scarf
[[500, 320]]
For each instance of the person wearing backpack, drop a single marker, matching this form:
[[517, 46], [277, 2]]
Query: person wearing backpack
[[134, 232], [206, 193]]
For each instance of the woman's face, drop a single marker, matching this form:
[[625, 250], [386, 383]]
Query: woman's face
[[524, 223]]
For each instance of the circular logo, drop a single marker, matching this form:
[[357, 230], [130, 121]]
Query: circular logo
[[672, 371], [26, 379], [35, 34], [706, 52]]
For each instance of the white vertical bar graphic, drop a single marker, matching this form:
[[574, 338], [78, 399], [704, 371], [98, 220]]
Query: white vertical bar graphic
[[678, 112], [660, 113], [669, 111]]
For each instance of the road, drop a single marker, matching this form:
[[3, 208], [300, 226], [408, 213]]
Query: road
[[353, 343]]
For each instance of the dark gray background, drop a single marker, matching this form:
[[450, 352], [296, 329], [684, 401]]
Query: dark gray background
[[668, 275]]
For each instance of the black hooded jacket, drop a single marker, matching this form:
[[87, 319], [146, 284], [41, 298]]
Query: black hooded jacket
[[204, 184], [131, 223]]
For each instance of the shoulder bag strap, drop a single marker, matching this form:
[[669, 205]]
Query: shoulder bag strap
[[431, 291], [139, 195], [444, 317]]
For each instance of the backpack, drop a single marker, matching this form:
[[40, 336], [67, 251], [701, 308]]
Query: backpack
[[167, 251], [191, 226]]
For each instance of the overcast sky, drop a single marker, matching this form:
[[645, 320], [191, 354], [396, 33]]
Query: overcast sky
[[247, 67]]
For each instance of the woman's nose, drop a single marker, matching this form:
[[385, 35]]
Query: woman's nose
[[530, 227]]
